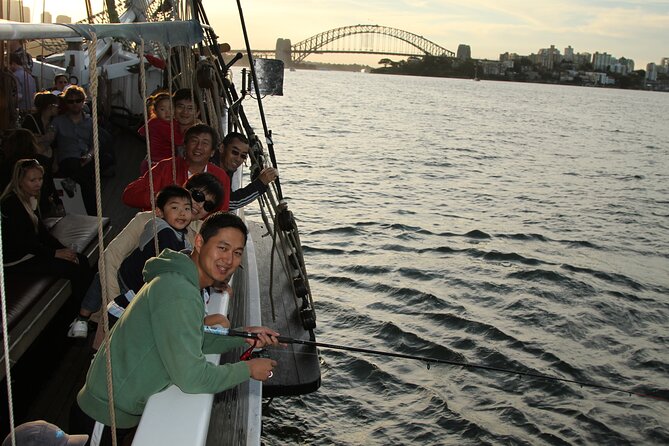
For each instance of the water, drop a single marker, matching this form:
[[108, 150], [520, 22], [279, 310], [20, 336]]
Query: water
[[514, 225]]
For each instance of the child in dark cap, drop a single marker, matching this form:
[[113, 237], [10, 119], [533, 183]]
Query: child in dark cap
[[41, 433]]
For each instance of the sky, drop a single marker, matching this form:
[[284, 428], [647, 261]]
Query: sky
[[636, 29]]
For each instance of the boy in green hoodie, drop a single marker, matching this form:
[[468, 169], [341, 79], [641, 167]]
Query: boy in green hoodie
[[160, 339]]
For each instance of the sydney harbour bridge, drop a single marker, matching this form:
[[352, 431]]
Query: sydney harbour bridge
[[356, 39]]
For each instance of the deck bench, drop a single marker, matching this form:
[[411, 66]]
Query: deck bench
[[33, 300]]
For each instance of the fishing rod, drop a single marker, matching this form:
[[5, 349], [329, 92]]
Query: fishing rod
[[427, 360]]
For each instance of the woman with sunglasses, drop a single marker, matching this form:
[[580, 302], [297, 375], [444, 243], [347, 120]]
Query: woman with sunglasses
[[74, 144], [28, 247]]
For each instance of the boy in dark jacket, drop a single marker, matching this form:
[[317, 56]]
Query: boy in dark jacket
[[173, 215]]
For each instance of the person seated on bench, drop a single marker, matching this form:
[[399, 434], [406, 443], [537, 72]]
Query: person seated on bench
[[28, 247], [22, 144], [173, 215], [74, 145]]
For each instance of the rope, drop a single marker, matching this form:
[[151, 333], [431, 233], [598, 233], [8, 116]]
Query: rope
[[41, 72], [5, 343], [93, 70], [212, 112], [169, 90], [142, 73]]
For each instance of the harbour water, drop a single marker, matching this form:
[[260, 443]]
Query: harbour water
[[520, 226]]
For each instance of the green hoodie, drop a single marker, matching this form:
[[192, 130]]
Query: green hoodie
[[159, 341]]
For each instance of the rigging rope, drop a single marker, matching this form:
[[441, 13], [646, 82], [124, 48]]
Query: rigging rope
[[93, 88], [5, 342], [173, 110], [152, 195]]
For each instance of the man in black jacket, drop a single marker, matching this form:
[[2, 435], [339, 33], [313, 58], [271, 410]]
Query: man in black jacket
[[235, 150]]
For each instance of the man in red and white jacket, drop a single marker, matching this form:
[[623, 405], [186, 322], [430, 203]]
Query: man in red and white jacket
[[200, 141]]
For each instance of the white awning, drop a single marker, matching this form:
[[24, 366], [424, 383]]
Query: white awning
[[184, 32]]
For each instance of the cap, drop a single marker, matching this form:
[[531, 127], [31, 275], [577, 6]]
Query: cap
[[41, 433]]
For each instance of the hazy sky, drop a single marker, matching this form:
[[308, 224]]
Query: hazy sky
[[637, 29]]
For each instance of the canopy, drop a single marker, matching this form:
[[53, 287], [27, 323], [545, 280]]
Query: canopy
[[183, 32]]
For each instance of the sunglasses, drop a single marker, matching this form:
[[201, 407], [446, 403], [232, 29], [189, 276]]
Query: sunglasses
[[74, 101], [199, 197]]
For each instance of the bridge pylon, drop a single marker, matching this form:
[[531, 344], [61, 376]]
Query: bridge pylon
[[284, 51]]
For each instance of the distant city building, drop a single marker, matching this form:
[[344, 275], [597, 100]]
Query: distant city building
[[63, 19], [623, 66], [582, 58], [549, 57], [651, 72], [46, 17], [665, 64], [492, 68], [18, 12], [569, 54], [508, 57], [601, 61], [464, 52]]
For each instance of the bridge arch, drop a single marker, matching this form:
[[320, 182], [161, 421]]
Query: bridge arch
[[311, 45]]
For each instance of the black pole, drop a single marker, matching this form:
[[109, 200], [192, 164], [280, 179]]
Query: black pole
[[268, 136], [287, 340]]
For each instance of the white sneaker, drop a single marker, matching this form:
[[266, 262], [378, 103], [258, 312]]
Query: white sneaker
[[78, 329]]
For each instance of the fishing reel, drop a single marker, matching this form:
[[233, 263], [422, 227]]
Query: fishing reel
[[307, 315], [284, 217]]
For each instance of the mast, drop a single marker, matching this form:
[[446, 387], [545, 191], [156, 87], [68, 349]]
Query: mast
[[111, 8]]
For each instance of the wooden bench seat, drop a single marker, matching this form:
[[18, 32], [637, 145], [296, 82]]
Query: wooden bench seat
[[32, 300]]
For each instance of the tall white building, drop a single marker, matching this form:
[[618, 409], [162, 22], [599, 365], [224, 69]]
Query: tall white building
[[651, 72], [549, 57], [569, 54], [601, 61], [18, 12]]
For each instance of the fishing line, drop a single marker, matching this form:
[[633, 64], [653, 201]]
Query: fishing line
[[428, 360]]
